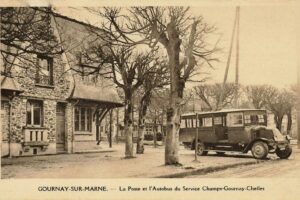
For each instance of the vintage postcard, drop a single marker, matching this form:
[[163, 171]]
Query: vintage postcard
[[150, 99]]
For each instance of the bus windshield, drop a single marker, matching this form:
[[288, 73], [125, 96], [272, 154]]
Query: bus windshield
[[255, 119]]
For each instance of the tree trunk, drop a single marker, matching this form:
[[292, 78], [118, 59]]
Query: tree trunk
[[278, 121], [155, 131], [117, 134], [144, 103], [141, 132], [289, 122], [177, 85], [162, 127], [128, 125], [110, 127]]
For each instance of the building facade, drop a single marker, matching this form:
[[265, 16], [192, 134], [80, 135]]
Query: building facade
[[49, 109]]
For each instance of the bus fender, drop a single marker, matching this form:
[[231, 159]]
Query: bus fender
[[249, 146]]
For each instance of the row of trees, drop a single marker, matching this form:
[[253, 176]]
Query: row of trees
[[173, 43]]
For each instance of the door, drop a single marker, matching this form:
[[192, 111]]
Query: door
[[60, 128], [220, 128]]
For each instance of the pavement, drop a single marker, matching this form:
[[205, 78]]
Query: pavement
[[110, 163]]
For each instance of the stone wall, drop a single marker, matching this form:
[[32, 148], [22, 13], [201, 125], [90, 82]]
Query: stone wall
[[69, 127], [48, 94], [4, 127], [26, 80], [18, 119], [4, 120]]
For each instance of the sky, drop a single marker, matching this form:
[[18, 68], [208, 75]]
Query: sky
[[268, 44]]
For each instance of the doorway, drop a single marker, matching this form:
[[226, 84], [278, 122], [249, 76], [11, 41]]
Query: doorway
[[60, 128]]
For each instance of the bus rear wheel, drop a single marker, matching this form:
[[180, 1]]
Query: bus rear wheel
[[201, 149]]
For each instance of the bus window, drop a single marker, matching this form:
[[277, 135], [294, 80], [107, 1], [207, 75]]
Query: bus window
[[200, 122], [234, 119], [254, 119], [207, 121], [261, 118], [189, 123], [217, 120], [182, 123], [247, 119]]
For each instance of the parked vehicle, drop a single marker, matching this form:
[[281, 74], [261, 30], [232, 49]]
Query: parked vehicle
[[235, 130]]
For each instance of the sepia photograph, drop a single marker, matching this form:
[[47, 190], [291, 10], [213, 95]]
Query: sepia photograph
[[133, 92]]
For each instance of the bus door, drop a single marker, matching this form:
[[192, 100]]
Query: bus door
[[220, 128]]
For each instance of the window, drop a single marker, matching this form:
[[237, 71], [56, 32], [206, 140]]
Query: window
[[235, 119], [182, 124], [44, 75], [83, 119], [247, 119], [34, 114], [254, 119], [189, 123], [217, 120], [207, 121], [261, 118], [195, 123]]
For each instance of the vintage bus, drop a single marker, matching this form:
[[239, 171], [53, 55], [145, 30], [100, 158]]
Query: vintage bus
[[235, 130]]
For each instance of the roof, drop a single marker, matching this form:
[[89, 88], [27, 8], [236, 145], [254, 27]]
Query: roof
[[97, 94], [222, 111], [8, 83]]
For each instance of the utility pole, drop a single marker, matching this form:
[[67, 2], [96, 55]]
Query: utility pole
[[229, 56], [196, 137], [237, 57], [298, 97]]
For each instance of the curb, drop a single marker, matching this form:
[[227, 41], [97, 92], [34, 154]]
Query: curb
[[208, 170], [95, 151]]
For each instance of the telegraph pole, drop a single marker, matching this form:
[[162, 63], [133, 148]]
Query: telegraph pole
[[229, 54], [237, 57], [298, 90], [298, 97], [196, 137]]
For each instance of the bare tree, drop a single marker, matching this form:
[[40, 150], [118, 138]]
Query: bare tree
[[279, 102], [26, 30], [128, 70], [258, 94], [210, 95], [184, 39], [152, 81]]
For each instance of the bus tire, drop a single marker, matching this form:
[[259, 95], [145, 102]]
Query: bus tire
[[201, 149], [284, 154], [259, 150]]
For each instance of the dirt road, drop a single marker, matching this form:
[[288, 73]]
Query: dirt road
[[272, 168]]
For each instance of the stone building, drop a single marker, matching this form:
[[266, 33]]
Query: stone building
[[51, 109]]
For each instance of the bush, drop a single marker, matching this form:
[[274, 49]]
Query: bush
[[159, 137], [148, 137]]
